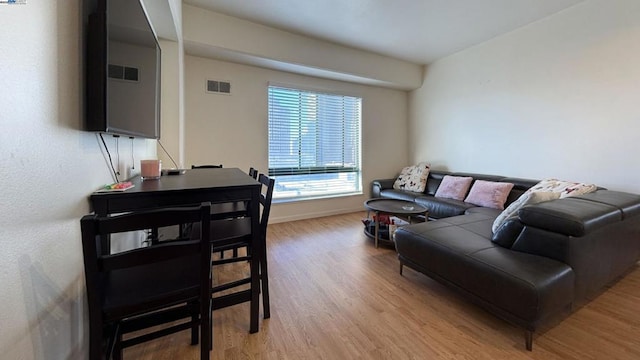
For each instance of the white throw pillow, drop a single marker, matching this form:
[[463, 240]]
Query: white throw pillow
[[413, 178], [565, 188], [528, 198]]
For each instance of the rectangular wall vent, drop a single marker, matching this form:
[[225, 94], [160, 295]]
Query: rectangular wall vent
[[218, 87], [120, 72]]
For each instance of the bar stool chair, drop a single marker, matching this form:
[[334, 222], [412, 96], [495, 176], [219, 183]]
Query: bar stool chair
[[149, 286], [242, 207], [253, 173], [236, 233], [229, 210]]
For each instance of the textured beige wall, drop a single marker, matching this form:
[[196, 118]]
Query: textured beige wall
[[556, 98], [49, 168], [232, 130]]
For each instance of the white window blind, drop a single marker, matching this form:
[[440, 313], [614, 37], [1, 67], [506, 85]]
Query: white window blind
[[314, 143]]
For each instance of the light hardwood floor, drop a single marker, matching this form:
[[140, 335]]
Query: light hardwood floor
[[334, 296]]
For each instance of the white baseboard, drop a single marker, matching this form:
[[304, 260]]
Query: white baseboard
[[281, 219]]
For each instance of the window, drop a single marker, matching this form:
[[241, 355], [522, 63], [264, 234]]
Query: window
[[314, 143]]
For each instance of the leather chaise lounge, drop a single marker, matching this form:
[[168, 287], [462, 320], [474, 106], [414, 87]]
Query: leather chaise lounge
[[549, 260]]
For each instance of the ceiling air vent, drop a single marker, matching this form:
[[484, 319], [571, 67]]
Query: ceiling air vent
[[120, 72], [218, 87]]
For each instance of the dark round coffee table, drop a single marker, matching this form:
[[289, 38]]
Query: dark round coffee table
[[391, 207]]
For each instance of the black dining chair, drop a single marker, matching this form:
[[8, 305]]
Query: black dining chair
[[227, 210], [167, 284], [238, 209], [233, 234], [253, 173], [223, 210]]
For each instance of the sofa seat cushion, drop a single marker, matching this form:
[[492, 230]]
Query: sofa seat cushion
[[488, 212], [519, 287], [442, 207], [463, 233], [537, 286]]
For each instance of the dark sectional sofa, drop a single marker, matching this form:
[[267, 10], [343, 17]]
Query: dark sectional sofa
[[557, 254]]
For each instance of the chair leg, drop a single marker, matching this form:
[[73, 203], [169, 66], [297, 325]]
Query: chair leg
[[401, 267], [114, 338], [254, 311], [264, 281], [117, 350], [206, 326], [95, 341], [195, 307]]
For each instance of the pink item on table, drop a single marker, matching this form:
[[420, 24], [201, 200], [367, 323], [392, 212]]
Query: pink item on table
[[150, 169]]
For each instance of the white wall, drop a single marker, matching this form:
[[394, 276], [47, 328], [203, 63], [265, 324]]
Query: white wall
[[557, 98], [49, 168], [215, 35], [232, 130], [172, 106], [167, 18]]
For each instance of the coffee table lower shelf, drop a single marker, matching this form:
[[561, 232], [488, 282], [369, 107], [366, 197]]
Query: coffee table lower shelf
[[394, 207], [383, 235]]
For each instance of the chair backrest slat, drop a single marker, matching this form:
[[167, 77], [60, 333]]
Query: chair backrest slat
[[96, 229], [146, 220], [148, 255]]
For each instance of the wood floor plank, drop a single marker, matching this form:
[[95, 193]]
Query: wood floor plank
[[335, 296]]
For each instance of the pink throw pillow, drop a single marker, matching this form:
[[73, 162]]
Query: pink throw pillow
[[454, 187], [489, 194]]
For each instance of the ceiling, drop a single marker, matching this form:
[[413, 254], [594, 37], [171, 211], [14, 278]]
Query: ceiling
[[418, 31]]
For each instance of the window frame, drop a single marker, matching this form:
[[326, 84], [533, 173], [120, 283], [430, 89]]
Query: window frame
[[311, 170]]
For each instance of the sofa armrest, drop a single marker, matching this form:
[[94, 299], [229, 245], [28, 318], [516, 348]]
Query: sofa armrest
[[381, 184]]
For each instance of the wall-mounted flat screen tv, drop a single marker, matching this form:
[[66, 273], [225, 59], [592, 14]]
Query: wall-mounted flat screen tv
[[122, 70]]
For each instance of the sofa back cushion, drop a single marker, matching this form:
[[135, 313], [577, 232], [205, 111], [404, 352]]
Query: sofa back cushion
[[434, 180]]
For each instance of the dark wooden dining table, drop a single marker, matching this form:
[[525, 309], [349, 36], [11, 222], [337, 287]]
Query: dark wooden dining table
[[220, 185]]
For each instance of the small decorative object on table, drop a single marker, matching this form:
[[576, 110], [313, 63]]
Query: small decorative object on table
[[150, 169], [119, 186]]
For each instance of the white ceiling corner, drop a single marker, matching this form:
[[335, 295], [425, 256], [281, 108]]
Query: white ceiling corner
[[418, 31]]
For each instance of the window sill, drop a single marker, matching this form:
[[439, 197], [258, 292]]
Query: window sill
[[318, 197]]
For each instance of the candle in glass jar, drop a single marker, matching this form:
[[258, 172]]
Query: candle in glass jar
[[150, 169]]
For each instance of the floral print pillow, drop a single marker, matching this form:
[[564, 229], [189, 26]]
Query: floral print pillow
[[413, 178], [565, 188]]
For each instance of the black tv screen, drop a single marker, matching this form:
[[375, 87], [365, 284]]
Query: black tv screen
[[122, 70]]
